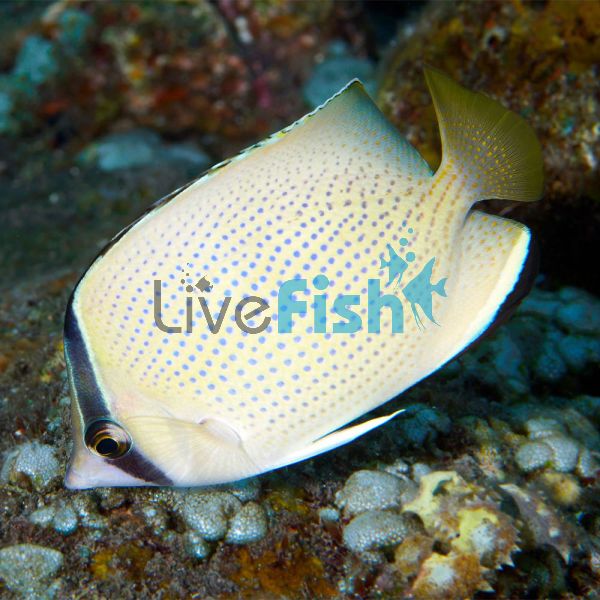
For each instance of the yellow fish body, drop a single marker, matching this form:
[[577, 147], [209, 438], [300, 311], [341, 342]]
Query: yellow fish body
[[338, 205]]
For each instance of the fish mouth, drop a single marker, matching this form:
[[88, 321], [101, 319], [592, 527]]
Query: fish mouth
[[74, 480], [86, 470]]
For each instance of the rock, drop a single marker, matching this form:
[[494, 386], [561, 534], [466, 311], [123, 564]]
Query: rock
[[139, 148], [26, 568], [367, 490], [209, 514], [588, 406], [508, 363], [34, 462], [187, 153], [472, 43], [540, 304], [577, 351], [544, 525], [370, 531], [548, 365], [8, 92], [533, 455], [337, 69], [248, 525], [580, 312], [550, 337], [449, 577], [125, 150], [421, 423], [36, 62], [73, 25]]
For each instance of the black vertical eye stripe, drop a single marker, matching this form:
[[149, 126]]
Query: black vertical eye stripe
[[93, 405]]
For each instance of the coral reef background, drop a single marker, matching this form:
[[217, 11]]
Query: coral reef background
[[486, 487]]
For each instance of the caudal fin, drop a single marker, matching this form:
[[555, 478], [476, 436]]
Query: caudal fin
[[439, 287], [492, 151]]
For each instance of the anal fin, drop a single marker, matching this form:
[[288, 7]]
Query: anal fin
[[333, 440]]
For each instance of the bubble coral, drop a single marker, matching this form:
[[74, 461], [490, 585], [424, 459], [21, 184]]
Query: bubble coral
[[373, 530], [368, 490], [209, 514], [32, 464], [248, 525]]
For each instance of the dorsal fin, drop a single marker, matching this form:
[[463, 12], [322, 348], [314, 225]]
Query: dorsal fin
[[347, 115]]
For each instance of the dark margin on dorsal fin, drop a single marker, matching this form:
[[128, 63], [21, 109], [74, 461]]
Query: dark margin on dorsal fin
[[521, 289]]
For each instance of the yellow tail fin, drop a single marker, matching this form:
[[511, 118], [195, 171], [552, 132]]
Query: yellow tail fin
[[493, 150]]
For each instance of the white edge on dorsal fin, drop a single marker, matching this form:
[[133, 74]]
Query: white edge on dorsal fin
[[333, 440], [156, 206], [274, 137]]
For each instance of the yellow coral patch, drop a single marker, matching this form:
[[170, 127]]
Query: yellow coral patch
[[411, 553], [562, 487], [451, 577], [434, 489], [487, 532]]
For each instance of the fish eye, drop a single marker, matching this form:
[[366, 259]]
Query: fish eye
[[107, 439]]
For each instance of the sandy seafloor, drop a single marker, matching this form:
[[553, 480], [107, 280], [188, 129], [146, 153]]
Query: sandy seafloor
[[488, 487]]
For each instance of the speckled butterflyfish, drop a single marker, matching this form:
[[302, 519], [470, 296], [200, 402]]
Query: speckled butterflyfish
[[335, 200]]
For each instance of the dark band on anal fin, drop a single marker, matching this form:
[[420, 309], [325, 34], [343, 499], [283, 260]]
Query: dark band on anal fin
[[522, 287]]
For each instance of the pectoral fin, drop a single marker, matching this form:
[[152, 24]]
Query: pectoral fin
[[204, 453]]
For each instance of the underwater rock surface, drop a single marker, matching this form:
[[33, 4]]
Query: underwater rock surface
[[502, 482], [27, 569]]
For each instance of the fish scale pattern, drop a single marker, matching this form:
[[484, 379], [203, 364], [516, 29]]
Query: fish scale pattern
[[323, 198]]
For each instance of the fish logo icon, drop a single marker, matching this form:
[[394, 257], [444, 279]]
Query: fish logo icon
[[419, 292], [204, 285], [395, 265]]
